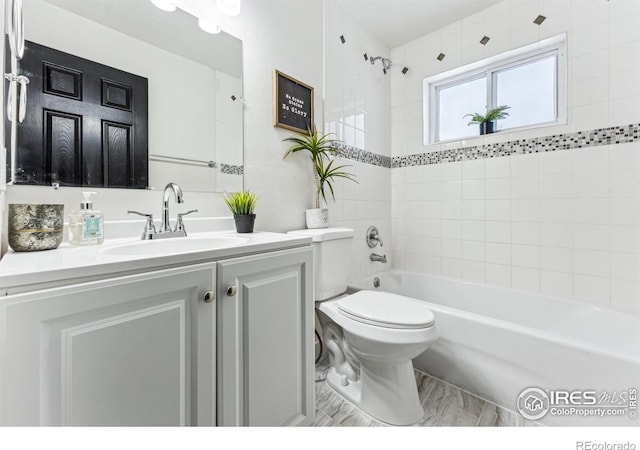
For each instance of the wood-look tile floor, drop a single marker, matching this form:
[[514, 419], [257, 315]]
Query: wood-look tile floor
[[444, 405]]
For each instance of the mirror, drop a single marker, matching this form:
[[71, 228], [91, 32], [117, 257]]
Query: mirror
[[194, 87]]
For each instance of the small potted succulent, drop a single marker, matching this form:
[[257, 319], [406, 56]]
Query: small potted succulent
[[242, 204], [322, 152], [487, 122]]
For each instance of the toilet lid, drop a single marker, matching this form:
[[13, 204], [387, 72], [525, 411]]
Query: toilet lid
[[386, 310]]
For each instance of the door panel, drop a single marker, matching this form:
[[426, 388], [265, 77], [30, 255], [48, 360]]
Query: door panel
[[150, 344], [136, 350], [269, 347], [117, 147], [265, 352], [63, 136]]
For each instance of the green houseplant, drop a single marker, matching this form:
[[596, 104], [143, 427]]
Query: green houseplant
[[487, 122], [322, 153], [242, 204]]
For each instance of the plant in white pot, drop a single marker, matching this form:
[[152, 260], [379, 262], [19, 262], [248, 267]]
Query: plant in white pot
[[322, 152]]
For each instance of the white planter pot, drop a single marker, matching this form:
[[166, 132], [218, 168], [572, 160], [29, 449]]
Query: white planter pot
[[317, 218]]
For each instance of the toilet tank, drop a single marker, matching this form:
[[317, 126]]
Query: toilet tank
[[331, 259]]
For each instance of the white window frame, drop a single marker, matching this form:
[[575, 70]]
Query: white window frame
[[489, 68]]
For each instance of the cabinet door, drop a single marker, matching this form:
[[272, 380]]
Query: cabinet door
[[135, 350], [265, 339]]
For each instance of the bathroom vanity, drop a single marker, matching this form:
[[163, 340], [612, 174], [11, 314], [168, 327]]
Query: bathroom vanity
[[211, 329]]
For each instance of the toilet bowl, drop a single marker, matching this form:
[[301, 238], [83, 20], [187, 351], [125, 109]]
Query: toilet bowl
[[372, 336], [383, 332]]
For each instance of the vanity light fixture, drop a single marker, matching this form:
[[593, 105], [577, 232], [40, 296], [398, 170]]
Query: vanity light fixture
[[229, 7], [165, 5], [209, 27]]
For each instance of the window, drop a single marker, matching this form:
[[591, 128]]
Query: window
[[530, 81]]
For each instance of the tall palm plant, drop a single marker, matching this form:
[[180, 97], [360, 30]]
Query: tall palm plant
[[322, 152], [325, 174]]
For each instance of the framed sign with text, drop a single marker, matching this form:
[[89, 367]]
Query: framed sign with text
[[292, 103]]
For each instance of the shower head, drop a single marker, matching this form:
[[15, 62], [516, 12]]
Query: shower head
[[386, 62]]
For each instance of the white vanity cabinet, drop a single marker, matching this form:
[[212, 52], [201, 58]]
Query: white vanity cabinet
[[130, 350], [211, 337], [265, 350]]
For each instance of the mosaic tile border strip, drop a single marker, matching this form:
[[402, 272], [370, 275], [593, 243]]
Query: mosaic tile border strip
[[231, 169], [556, 142], [363, 156]]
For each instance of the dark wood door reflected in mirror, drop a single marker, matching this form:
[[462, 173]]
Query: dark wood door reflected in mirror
[[195, 100], [86, 123]]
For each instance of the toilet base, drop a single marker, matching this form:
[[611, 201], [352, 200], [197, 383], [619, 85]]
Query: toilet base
[[386, 392]]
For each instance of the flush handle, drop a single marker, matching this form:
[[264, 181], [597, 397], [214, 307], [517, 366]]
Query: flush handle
[[232, 291], [209, 296]]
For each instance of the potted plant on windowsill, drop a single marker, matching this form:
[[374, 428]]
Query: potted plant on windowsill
[[322, 152], [488, 121], [242, 204]]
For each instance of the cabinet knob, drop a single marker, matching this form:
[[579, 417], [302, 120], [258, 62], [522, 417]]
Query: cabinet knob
[[209, 296], [232, 290]]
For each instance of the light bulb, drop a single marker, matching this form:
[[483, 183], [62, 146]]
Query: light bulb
[[229, 7], [209, 27], [165, 5]]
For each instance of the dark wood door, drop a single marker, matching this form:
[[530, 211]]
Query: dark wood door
[[86, 123]]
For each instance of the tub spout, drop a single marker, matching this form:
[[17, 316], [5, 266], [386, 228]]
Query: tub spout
[[379, 258]]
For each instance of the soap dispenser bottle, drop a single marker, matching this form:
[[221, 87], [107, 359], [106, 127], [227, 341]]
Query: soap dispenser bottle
[[86, 227]]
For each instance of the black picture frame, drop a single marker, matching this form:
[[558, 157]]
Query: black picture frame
[[292, 103]]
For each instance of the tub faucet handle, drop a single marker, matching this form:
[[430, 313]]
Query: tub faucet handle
[[373, 237]]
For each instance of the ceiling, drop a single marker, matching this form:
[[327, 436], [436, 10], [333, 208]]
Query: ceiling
[[141, 20], [396, 22]]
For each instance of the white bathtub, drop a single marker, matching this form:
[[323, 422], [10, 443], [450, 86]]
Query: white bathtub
[[496, 342]]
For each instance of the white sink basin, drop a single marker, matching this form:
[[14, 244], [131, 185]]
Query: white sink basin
[[172, 246]]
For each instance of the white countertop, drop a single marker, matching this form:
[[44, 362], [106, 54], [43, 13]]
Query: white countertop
[[68, 262]]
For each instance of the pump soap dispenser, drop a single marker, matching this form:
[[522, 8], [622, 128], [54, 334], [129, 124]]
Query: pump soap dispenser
[[86, 227]]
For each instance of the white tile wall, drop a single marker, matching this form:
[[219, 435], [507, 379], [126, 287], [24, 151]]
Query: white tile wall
[[360, 206], [578, 240], [358, 111], [563, 223]]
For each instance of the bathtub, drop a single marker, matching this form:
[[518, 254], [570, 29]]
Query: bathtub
[[495, 342]]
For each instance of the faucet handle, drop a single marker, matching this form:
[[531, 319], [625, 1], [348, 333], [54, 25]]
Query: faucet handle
[[373, 237], [180, 223], [139, 213], [149, 228]]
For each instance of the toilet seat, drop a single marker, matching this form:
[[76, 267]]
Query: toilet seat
[[387, 310]]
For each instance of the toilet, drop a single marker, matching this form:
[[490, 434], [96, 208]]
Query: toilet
[[372, 336]]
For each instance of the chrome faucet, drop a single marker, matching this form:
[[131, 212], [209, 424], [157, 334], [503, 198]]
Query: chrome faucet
[[177, 193], [166, 231], [378, 258], [373, 237]]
